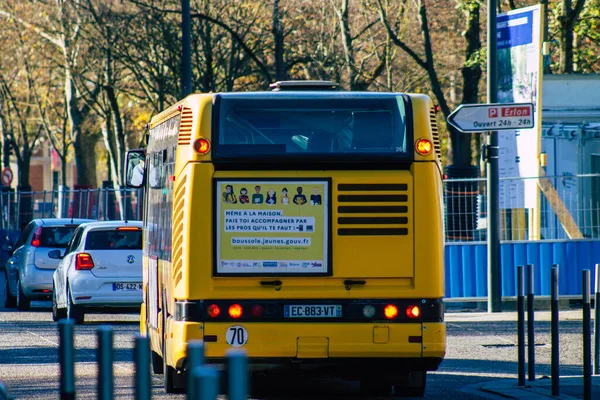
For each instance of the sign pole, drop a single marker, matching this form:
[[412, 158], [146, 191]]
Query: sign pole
[[493, 180]]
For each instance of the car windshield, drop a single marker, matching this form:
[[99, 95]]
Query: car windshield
[[56, 236], [276, 124], [114, 240]]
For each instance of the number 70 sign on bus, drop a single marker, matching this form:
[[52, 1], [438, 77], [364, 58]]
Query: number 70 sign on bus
[[492, 117]]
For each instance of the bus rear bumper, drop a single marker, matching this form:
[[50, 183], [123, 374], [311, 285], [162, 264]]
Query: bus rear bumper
[[343, 347]]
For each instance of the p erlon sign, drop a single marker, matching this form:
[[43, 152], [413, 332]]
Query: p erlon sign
[[492, 117]]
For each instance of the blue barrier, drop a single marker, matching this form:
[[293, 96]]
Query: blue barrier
[[466, 266]]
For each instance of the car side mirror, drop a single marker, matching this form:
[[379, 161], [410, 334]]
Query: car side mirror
[[135, 169], [55, 254]]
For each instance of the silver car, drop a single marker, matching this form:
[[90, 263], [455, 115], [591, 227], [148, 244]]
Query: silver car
[[100, 270], [29, 270]]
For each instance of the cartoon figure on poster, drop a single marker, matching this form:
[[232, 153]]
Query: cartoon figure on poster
[[229, 196], [244, 199], [299, 198], [284, 197], [257, 197], [271, 197], [315, 198]]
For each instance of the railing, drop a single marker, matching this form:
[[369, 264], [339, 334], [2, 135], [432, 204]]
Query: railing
[[538, 208], [18, 208]]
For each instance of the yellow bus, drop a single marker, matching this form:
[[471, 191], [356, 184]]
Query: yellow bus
[[303, 224]]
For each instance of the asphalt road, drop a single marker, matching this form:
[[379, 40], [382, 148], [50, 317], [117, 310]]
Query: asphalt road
[[479, 351]]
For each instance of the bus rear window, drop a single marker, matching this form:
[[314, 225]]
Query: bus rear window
[[303, 124]]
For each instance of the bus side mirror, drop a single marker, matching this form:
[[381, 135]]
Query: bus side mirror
[[135, 168]]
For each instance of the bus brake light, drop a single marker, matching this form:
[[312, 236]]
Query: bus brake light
[[257, 310], [235, 311], [213, 311], [390, 311], [201, 146], [423, 147], [413, 312]]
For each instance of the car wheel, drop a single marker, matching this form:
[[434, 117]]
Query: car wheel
[[74, 312], [169, 373], [370, 386], [57, 313], [23, 303], [412, 386], [9, 300]]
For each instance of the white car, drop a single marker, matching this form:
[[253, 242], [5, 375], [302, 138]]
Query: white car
[[101, 268]]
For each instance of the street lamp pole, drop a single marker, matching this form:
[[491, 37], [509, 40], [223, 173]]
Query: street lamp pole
[[493, 182], [186, 60]]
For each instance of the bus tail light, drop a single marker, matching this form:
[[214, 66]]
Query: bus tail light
[[390, 311], [423, 146], [368, 311], [201, 146], [37, 236], [213, 311], [235, 311], [83, 262], [257, 310], [413, 312]]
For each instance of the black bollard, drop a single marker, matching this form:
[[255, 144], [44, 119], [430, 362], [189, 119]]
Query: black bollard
[[587, 336], [66, 358], [530, 324], [521, 325], [195, 356], [141, 358], [597, 323], [237, 364], [554, 329], [206, 383], [104, 356]]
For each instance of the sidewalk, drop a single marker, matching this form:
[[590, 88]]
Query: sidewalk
[[570, 387]]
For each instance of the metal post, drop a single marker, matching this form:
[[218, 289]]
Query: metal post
[[206, 383], [186, 75], [141, 358], [597, 323], [195, 356], [104, 355], [493, 182], [521, 325], [237, 363], [587, 336], [66, 359], [554, 329], [530, 324]]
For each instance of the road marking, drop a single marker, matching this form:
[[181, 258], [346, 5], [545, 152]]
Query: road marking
[[482, 332]]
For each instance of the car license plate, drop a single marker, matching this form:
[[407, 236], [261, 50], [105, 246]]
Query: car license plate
[[312, 311], [127, 286]]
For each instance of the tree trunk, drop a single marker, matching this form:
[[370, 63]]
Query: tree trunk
[[279, 41], [85, 159], [347, 42], [460, 151]]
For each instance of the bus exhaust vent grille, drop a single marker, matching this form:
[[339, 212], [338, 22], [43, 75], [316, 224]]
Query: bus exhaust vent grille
[[179, 207], [436, 135], [372, 209], [185, 126]]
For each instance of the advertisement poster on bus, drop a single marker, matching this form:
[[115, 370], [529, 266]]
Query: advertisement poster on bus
[[272, 227], [519, 34]]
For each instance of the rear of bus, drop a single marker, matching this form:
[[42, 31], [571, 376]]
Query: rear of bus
[[307, 230]]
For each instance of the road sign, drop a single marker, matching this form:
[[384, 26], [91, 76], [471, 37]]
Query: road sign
[[492, 117], [7, 176]]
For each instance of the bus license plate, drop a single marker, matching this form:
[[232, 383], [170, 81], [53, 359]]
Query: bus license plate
[[313, 311], [127, 286]]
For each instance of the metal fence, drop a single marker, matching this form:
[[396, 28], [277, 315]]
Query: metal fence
[[18, 208], [538, 208]]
